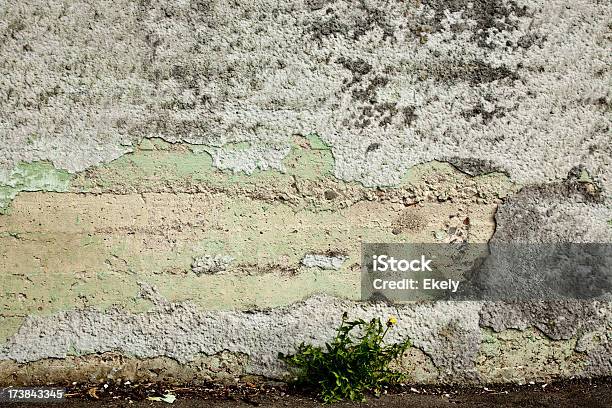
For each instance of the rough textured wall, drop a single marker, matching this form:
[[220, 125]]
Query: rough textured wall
[[185, 185]]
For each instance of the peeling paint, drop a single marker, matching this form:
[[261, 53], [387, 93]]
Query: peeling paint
[[181, 332], [497, 81], [267, 241], [37, 176], [448, 334]]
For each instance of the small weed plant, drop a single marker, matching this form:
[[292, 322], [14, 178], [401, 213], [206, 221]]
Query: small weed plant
[[355, 362]]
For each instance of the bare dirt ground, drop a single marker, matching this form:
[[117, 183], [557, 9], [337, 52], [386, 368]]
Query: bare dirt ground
[[592, 394]]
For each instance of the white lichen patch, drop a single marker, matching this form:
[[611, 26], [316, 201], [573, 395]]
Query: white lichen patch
[[249, 159], [211, 264], [323, 261]]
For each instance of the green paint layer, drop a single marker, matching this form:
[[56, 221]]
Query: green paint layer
[[36, 176]]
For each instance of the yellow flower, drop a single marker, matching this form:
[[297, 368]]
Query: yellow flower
[[392, 320]]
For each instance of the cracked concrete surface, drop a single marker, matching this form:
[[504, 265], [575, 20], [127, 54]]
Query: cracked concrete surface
[[453, 335], [261, 335], [449, 333], [524, 85], [141, 136], [124, 238]]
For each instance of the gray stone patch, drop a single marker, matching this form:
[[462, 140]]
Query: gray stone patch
[[357, 66], [559, 320], [589, 322], [323, 261], [529, 257], [316, 4], [209, 264], [546, 217], [570, 211], [598, 347]]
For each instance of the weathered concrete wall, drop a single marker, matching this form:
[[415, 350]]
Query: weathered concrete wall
[[185, 186]]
